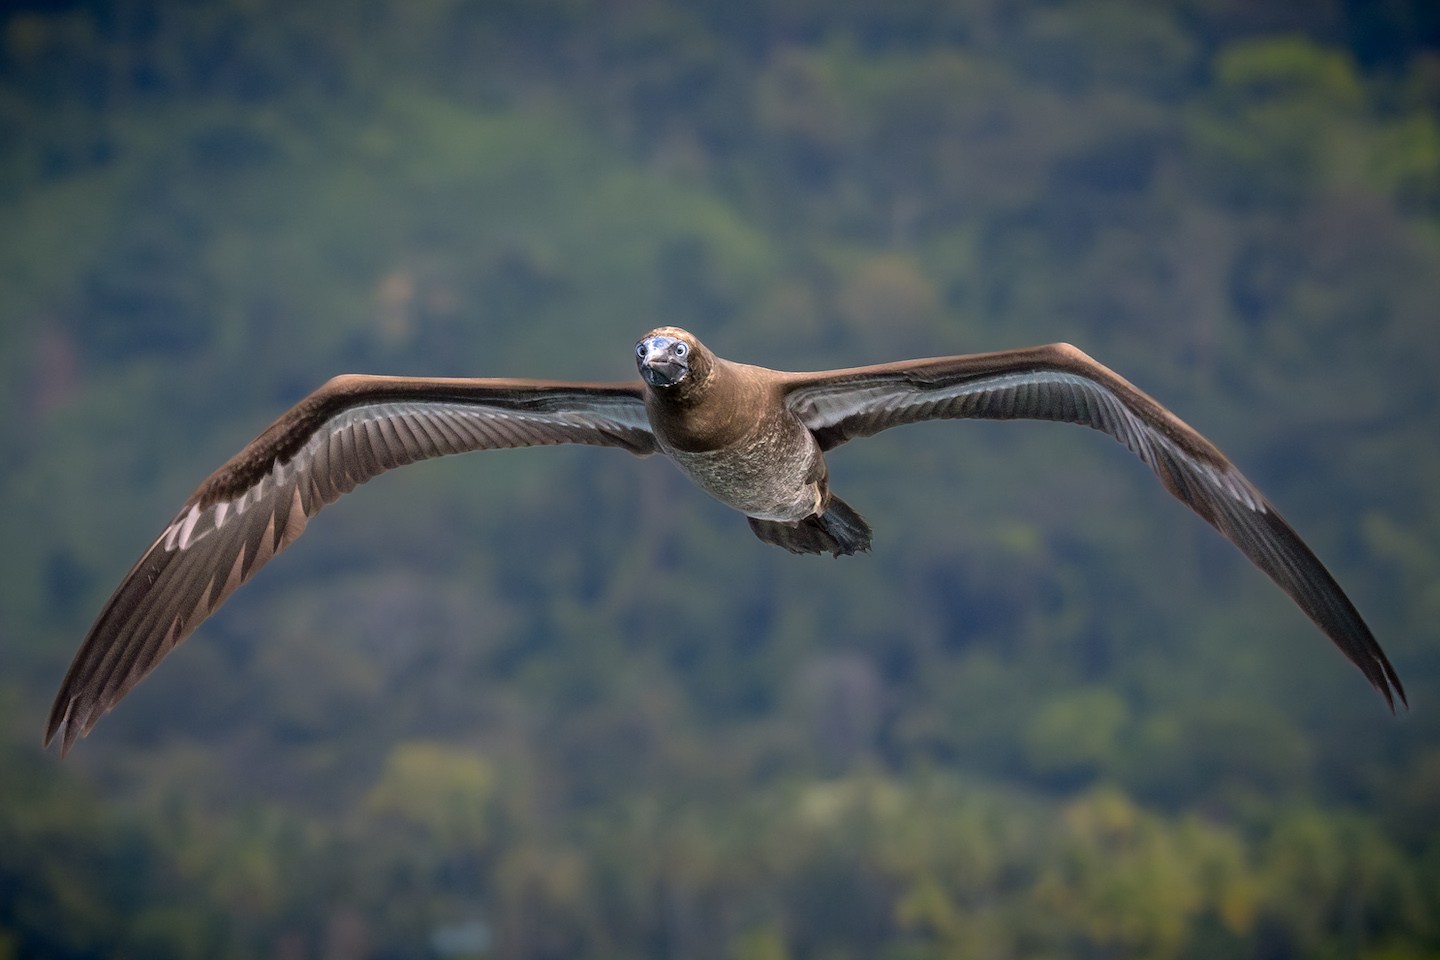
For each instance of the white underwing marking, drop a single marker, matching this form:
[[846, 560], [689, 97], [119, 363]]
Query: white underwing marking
[[221, 510], [245, 500], [188, 526]]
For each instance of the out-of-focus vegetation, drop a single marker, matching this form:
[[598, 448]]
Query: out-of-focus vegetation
[[555, 703]]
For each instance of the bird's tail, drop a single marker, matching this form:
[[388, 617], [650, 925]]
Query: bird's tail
[[838, 530]]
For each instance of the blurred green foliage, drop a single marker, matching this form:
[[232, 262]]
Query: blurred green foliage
[[554, 703]]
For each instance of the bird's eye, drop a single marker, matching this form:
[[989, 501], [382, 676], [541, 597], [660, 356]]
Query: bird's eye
[[681, 349], [639, 349]]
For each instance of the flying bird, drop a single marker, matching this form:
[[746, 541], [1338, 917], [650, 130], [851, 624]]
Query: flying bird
[[753, 438]]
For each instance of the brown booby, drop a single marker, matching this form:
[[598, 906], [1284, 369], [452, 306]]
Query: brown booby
[[753, 438]]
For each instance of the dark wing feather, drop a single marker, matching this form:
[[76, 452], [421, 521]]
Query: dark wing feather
[[1059, 382], [254, 506]]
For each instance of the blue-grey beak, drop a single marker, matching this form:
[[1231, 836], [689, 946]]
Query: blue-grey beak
[[663, 361]]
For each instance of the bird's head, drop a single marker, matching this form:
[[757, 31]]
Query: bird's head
[[668, 356]]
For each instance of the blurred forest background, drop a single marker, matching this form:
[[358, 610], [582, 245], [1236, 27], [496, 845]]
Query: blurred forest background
[[558, 704]]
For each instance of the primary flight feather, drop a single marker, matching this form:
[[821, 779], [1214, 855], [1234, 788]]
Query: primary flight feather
[[753, 438]]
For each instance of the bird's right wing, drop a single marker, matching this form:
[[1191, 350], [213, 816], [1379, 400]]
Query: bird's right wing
[[254, 506]]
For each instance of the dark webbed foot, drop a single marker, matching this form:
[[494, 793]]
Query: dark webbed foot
[[838, 530]]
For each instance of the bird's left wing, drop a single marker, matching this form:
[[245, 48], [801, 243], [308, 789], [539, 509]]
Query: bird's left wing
[[1059, 382], [350, 430]]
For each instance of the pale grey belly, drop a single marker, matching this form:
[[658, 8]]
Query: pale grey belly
[[761, 477]]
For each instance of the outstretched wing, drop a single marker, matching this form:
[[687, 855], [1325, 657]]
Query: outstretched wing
[[1059, 382], [254, 506]]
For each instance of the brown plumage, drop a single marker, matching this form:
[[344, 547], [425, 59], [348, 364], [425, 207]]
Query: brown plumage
[[751, 437]]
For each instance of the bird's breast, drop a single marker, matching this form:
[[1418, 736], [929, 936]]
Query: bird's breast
[[770, 473]]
